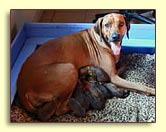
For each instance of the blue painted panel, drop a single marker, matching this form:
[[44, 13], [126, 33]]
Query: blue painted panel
[[17, 45], [53, 29], [142, 31], [145, 46]]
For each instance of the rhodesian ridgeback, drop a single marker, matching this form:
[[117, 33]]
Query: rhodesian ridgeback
[[49, 76]]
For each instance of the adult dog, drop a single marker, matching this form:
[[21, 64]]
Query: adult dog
[[49, 76]]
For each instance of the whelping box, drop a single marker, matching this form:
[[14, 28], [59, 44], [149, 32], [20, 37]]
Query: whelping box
[[141, 40]]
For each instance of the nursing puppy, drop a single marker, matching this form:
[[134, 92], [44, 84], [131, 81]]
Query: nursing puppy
[[92, 91]]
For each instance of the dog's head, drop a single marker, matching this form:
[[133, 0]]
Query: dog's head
[[111, 29]]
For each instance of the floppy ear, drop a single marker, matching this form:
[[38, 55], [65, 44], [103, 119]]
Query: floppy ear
[[98, 27], [128, 26]]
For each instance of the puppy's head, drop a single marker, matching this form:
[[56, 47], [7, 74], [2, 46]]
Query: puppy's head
[[111, 29]]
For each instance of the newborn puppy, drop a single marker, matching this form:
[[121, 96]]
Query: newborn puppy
[[92, 91]]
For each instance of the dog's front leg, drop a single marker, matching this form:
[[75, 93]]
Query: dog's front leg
[[122, 83]]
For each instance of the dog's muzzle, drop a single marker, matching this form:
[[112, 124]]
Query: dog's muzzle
[[115, 37]]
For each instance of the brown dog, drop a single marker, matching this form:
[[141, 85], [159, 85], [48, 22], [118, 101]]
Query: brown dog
[[49, 76]]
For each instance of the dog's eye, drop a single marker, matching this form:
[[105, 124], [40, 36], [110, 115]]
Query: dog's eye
[[121, 24], [107, 25]]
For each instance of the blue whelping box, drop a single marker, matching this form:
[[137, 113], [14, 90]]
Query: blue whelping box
[[141, 40]]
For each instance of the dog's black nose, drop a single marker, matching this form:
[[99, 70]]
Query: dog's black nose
[[115, 37]]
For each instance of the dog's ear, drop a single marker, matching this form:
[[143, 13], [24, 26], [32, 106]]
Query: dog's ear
[[98, 27], [127, 25]]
